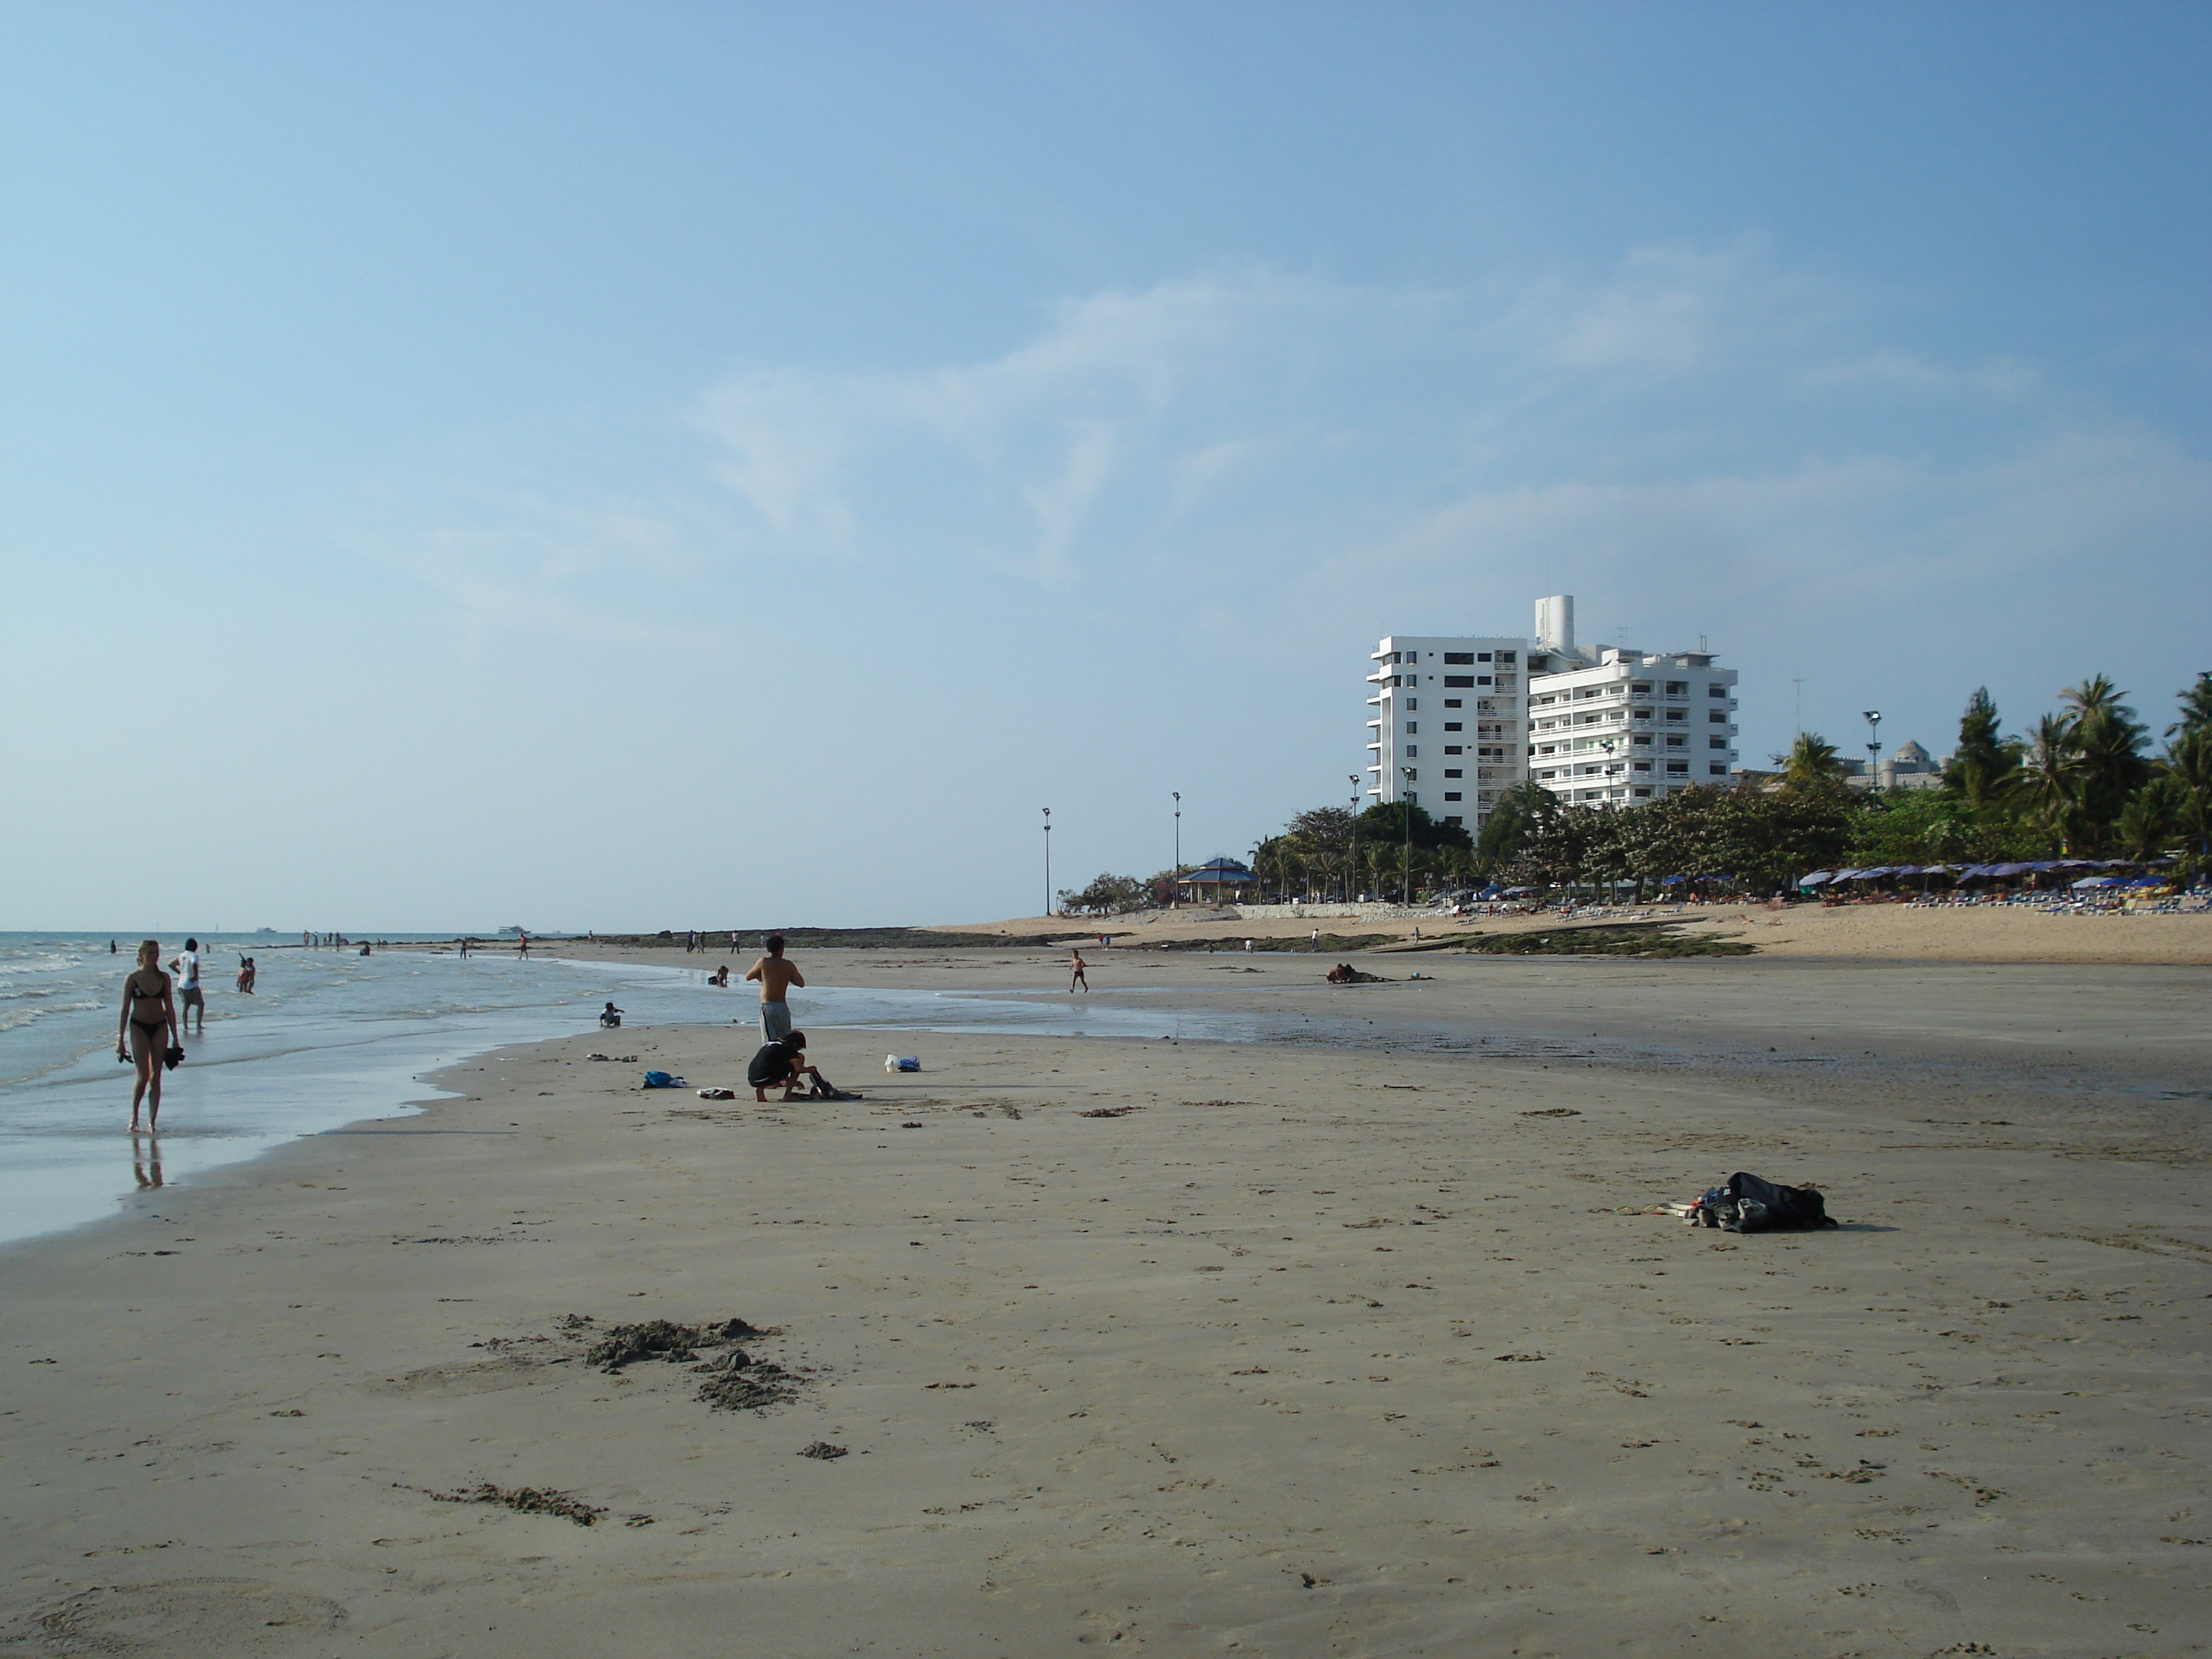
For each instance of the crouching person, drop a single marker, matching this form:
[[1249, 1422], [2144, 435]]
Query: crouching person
[[782, 1063]]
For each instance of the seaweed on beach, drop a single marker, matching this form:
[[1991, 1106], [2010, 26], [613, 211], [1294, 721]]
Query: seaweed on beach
[[527, 1500], [744, 1384], [1649, 939], [659, 1339]]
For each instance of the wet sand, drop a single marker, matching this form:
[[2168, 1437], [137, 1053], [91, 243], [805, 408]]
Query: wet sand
[[1355, 1341]]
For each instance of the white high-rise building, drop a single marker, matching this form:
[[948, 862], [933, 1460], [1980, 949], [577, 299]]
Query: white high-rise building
[[1620, 726], [1612, 725], [1449, 731]]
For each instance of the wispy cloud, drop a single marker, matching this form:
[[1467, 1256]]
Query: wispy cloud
[[1690, 419]]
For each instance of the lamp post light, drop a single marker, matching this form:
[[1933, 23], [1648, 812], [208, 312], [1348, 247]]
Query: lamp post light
[[1177, 865], [1874, 744], [1047, 861], [1406, 882]]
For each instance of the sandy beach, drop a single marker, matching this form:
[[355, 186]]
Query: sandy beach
[[1357, 1340]]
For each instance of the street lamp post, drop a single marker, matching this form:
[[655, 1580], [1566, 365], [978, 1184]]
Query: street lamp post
[[1047, 861], [1406, 880], [1352, 853], [1874, 744]]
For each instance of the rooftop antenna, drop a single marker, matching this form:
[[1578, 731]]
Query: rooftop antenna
[[1799, 684], [1703, 648]]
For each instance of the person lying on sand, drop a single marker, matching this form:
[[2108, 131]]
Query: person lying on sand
[[783, 1061]]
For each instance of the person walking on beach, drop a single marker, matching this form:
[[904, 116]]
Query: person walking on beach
[[776, 977], [186, 966], [1075, 972], [148, 1024]]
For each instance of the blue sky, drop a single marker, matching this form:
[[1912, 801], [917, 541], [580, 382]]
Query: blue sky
[[665, 466]]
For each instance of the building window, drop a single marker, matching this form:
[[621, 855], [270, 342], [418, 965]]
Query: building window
[[1673, 742], [1412, 703], [1717, 717], [1639, 713], [1715, 743], [1678, 687], [1505, 657], [1482, 679], [1455, 749], [1452, 821], [1412, 749], [1452, 656], [1716, 690], [1452, 681], [1412, 800], [1678, 765], [1454, 772], [1451, 702], [1717, 771], [1641, 766], [1678, 714], [1641, 794], [1642, 740], [1451, 725], [1412, 727], [1641, 688], [1451, 795], [1411, 679]]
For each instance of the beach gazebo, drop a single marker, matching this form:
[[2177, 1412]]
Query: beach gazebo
[[1216, 880]]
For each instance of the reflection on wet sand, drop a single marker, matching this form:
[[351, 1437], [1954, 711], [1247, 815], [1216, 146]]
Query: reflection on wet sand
[[146, 1163]]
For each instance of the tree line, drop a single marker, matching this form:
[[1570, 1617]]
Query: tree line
[[2084, 782]]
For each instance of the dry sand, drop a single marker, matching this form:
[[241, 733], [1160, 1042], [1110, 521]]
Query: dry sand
[[1351, 1343]]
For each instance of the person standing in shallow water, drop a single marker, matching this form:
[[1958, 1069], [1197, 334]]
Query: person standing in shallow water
[[776, 977], [148, 1024], [1075, 971]]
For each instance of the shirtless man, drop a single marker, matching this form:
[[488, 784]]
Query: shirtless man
[[777, 977], [1075, 971]]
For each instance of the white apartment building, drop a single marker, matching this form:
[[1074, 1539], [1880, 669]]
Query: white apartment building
[[1476, 716], [1620, 726], [1613, 726]]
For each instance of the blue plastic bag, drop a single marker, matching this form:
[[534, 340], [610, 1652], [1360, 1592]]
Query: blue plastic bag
[[662, 1080]]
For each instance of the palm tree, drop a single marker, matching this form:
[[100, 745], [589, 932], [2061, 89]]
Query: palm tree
[[2051, 776], [1811, 759], [2110, 741], [2195, 708], [2146, 826], [2188, 770]]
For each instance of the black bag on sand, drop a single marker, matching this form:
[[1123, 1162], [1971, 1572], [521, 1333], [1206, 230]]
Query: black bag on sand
[[1764, 1206]]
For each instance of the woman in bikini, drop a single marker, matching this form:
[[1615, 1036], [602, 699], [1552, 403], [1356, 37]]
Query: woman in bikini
[[149, 1023]]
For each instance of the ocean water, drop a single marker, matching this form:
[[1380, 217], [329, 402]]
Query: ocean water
[[330, 1036]]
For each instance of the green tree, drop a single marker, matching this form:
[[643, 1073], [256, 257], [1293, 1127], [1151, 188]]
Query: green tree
[[1519, 810], [2195, 708], [2052, 773], [1985, 766], [2187, 771], [1812, 759], [2110, 741], [1109, 894]]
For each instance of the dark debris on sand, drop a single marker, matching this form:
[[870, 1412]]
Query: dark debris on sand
[[527, 1500], [658, 1339]]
